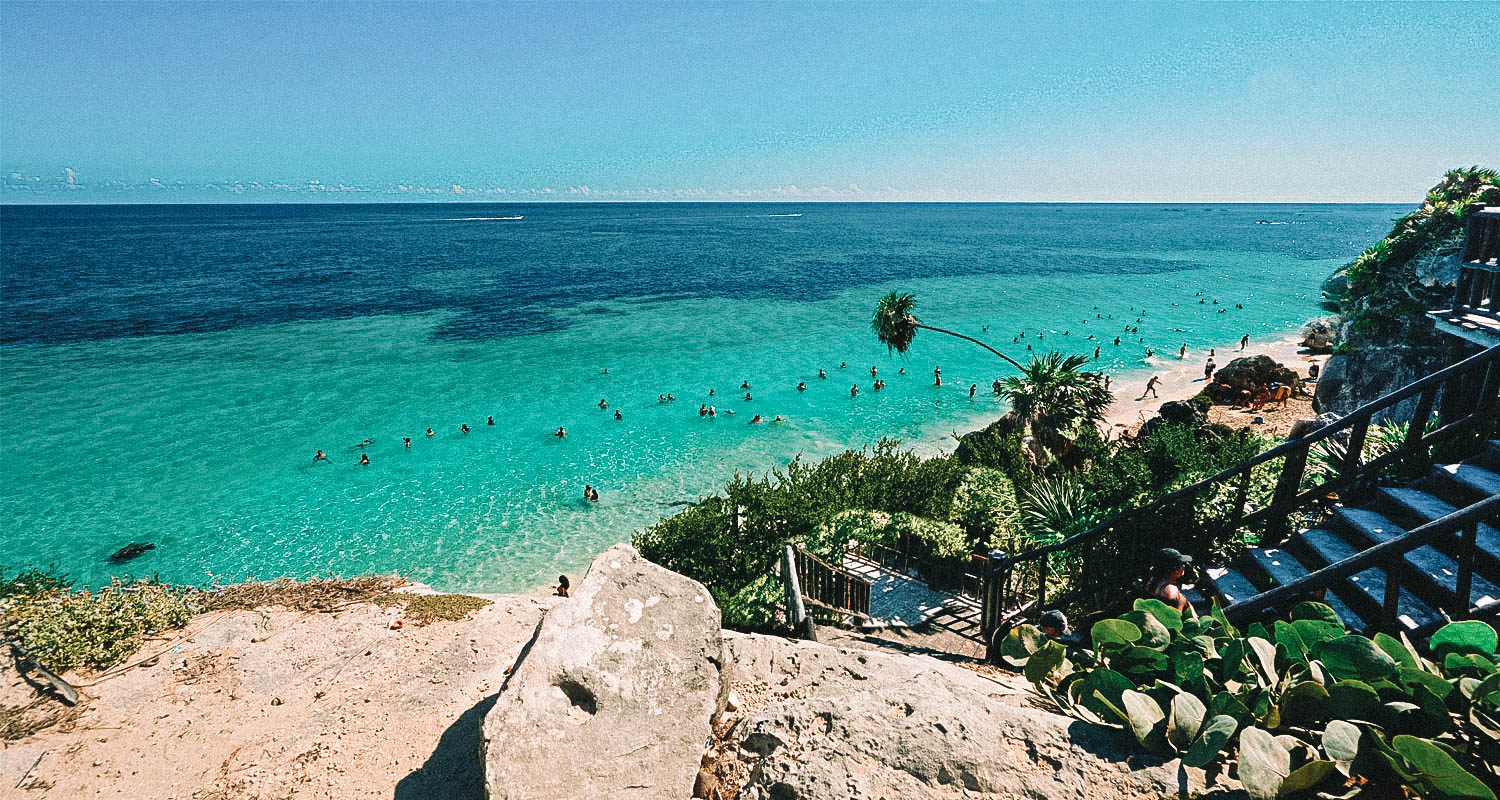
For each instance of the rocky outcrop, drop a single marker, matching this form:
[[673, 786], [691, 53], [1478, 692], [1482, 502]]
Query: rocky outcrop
[[821, 722], [614, 696], [1176, 412], [1250, 373]]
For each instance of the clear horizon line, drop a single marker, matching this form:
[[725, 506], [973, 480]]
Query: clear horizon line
[[664, 201]]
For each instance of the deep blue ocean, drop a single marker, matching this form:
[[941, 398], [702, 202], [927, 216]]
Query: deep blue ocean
[[168, 372]]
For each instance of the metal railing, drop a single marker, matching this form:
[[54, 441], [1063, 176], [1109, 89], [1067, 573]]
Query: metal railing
[[1103, 560]]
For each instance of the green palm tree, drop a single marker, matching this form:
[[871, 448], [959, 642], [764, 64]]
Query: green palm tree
[[896, 325], [1054, 397]]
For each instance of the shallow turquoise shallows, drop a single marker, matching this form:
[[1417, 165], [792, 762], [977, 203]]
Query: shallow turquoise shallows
[[169, 374]]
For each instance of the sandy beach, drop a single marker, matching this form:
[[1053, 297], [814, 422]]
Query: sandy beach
[[1182, 378]]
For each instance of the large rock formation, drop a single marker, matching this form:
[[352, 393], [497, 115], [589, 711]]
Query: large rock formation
[[614, 696], [1249, 373], [820, 722], [1385, 340]]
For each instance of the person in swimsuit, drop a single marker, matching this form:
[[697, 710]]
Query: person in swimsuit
[[756, 420], [561, 432], [562, 586], [1208, 370], [937, 376], [430, 433], [490, 421], [822, 374], [1166, 583], [618, 415], [973, 387], [854, 390], [1151, 387], [602, 405], [464, 427], [801, 386], [407, 441], [364, 459], [321, 456]]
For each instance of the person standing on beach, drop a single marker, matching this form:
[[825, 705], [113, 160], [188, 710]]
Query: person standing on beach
[[1106, 384], [1151, 387], [1208, 370], [1182, 353], [1244, 342]]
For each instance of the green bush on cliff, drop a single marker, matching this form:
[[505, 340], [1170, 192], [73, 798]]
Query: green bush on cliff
[[1302, 707], [66, 629]]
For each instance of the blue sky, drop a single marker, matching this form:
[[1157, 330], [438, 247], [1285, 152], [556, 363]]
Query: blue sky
[[1218, 102]]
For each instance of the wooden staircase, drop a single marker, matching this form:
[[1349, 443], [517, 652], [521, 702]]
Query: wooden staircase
[[1455, 575]]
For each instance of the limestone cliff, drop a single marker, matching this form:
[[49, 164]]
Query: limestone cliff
[[1385, 339]]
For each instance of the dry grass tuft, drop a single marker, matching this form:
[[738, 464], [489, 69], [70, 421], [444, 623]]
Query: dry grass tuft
[[19, 722], [422, 609], [319, 594]]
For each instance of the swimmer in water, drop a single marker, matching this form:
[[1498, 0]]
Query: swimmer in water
[[710, 392], [996, 386], [822, 374], [1096, 354], [703, 410], [801, 386], [618, 415], [594, 495], [489, 421], [588, 492], [747, 395], [901, 371], [561, 432], [670, 398], [843, 365], [430, 433], [937, 376], [854, 390], [407, 441], [464, 427], [872, 372], [321, 456], [756, 420], [364, 459], [602, 405], [745, 385], [779, 418], [973, 387], [713, 412], [661, 398], [1117, 341]]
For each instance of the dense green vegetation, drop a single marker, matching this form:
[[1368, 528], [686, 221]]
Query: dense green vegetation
[[64, 629], [1302, 707], [1380, 293]]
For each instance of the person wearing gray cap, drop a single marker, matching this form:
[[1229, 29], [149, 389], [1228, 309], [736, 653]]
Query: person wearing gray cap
[[1166, 584]]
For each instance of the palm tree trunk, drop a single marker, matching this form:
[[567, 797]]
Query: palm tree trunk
[[1012, 361]]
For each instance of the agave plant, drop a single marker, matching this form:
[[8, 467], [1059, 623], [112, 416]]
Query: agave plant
[[1053, 508], [896, 325]]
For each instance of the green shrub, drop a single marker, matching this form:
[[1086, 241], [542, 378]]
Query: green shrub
[[1302, 705], [65, 629], [984, 505]]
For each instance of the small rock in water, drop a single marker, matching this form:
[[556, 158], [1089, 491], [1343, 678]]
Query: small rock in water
[[130, 552]]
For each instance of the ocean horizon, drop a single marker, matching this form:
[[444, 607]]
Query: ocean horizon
[[168, 371]]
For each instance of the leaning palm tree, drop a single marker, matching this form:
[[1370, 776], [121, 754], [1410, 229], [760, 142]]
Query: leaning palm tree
[[1055, 398], [896, 325]]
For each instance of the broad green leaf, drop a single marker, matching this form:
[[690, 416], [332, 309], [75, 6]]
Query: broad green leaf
[[1321, 612], [1041, 664], [1288, 637], [1470, 636], [1184, 719], [1210, 741], [1305, 704], [1313, 631], [1396, 650], [1356, 700], [1354, 657], [1187, 667], [1265, 656], [1153, 633], [1106, 684], [1263, 764], [1468, 662], [1224, 704], [1169, 617], [1114, 630], [1144, 715], [1341, 743], [1217, 612], [1021, 642], [1439, 770], [1306, 776], [1408, 676]]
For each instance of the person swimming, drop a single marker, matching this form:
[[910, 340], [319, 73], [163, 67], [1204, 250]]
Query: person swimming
[[854, 390], [703, 409], [801, 386], [822, 374], [779, 418], [973, 387], [710, 392], [602, 405], [843, 365], [745, 384], [406, 440], [755, 420], [588, 492], [1117, 341], [464, 427], [321, 456], [618, 415], [430, 433], [364, 459], [901, 371], [713, 412], [937, 376], [747, 396], [594, 495], [872, 372], [489, 421], [561, 432], [670, 398]]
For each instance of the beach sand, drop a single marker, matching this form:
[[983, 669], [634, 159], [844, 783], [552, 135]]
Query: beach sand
[[1183, 378]]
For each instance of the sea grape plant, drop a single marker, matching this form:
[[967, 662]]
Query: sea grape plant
[[1300, 707]]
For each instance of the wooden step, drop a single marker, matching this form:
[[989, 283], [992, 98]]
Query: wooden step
[[1368, 587], [1283, 568], [1425, 507], [1471, 476], [1231, 586], [1436, 571]]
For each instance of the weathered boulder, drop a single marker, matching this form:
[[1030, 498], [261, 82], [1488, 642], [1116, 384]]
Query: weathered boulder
[[1319, 335], [821, 722], [1250, 372], [1176, 412], [614, 695]]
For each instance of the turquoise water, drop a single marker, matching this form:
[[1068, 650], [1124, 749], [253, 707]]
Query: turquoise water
[[201, 440]]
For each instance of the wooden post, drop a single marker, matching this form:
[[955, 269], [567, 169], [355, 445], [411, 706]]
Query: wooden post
[[1356, 449], [1418, 430], [796, 612], [1463, 589], [1241, 496], [1286, 489], [1392, 594]]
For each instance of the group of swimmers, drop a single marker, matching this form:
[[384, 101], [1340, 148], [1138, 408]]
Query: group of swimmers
[[364, 458]]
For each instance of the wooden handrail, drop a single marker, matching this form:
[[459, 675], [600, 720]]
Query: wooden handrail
[[1301, 444], [1383, 552]]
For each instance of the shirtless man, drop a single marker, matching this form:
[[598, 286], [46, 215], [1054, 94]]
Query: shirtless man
[[1151, 387]]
